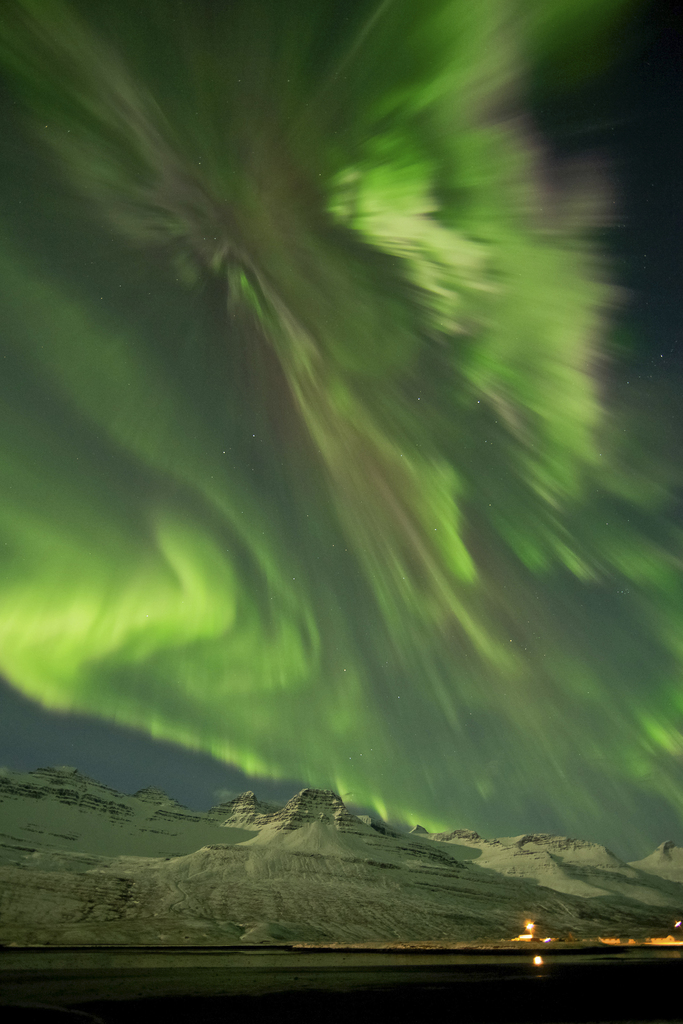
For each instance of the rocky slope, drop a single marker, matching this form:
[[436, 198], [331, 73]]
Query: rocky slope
[[80, 863]]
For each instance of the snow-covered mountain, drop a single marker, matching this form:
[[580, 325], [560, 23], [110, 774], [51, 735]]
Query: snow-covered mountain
[[45, 813], [81, 863], [666, 861], [571, 866]]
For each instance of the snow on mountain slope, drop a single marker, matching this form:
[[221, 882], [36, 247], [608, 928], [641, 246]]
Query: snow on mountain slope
[[55, 811], [308, 871], [316, 884], [666, 862], [572, 866], [314, 838]]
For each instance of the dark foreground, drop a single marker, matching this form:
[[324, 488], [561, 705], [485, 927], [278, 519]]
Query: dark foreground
[[124, 986]]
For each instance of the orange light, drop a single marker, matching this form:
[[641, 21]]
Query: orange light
[[528, 935], [538, 960]]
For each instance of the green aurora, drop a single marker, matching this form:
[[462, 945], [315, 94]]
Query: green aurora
[[309, 456]]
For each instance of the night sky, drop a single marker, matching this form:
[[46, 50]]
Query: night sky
[[341, 438]]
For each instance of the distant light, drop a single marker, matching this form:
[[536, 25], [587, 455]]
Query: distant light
[[538, 960]]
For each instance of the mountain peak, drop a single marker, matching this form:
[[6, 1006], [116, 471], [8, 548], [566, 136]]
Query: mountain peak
[[322, 805], [244, 811], [314, 797], [152, 794]]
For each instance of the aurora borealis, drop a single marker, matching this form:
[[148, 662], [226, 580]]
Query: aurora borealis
[[320, 452]]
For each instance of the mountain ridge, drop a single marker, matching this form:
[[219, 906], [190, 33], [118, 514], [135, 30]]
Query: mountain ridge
[[81, 862]]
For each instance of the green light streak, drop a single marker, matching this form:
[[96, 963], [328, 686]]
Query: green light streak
[[366, 460]]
